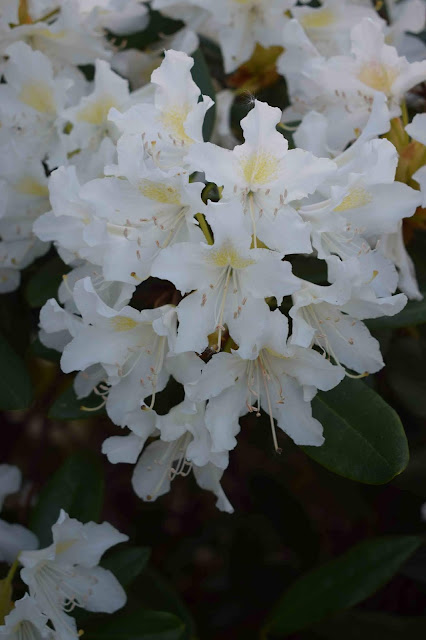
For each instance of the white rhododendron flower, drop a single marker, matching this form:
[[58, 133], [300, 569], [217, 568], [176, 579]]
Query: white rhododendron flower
[[184, 445], [174, 121], [265, 177], [328, 27], [25, 621], [66, 574], [279, 378], [343, 87], [228, 279]]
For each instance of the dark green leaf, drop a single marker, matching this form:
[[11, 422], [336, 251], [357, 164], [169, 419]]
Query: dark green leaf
[[16, 390], [340, 584], [127, 564], [364, 437], [406, 374], [68, 407], [201, 76], [353, 625], [140, 625], [77, 487], [154, 592], [45, 282], [38, 350]]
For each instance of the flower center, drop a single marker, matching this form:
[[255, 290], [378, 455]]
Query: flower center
[[378, 76], [318, 19], [259, 168], [97, 112], [39, 96]]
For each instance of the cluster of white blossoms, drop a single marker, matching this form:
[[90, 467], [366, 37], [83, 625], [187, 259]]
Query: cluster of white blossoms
[[116, 180], [50, 114], [60, 577]]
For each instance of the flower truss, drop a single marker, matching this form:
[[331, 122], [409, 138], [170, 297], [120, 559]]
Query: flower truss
[[119, 178]]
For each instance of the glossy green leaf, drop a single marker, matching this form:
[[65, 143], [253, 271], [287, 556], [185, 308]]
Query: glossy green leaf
[[140, 625], [340, 584], [127, 564], [68, 407], [364, 437], [202, 78], [77, 487], [16, 390], [45, 282]]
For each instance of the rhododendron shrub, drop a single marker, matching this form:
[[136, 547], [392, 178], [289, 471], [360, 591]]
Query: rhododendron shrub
[[191, 265]]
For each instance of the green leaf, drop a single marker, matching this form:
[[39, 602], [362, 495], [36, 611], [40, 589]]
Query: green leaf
[[140, 625], [202, 78], [364, 437], [45, 282], [153, 591], [340, 584], [77, 487], [355, 624], [16, 390], [127, 564], [413, 313], [68, 407], [38, 350]]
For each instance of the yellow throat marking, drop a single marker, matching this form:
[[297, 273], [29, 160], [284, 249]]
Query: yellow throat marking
[[159, 192], [357, 197], [39, 97], [228, 256], [123, 323], [259, 168]]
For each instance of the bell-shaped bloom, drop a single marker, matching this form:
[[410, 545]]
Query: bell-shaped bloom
[[32, 98], [343, 87], [280, 379], [229, 281], [66, 574], [174, 121], [133, 347], [329, 26], [89, 118], [184, 446], [143, 209], [265, 177], [322, 316], [70, 37]]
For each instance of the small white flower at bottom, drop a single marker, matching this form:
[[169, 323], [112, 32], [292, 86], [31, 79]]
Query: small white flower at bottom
[[65, 575]]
